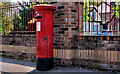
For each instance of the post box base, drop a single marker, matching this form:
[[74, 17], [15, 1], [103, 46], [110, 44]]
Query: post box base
[[44, 64]]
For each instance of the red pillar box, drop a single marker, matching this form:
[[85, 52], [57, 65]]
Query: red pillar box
[[44, 36]]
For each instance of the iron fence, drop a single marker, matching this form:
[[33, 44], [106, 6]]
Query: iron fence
[[98, 18], [22, 16]]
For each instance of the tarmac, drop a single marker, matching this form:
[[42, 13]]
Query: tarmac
[[19, 66]]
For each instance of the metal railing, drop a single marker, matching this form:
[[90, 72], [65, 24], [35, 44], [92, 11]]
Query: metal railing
[[98, 18], [22, 17]]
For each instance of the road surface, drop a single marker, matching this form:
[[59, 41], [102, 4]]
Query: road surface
[[12, 65]]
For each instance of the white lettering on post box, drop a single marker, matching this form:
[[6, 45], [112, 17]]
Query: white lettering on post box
[[38, 26]]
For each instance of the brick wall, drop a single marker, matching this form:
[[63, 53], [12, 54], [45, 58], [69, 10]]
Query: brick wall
[[65, 24], [19, 40], [92, 51]]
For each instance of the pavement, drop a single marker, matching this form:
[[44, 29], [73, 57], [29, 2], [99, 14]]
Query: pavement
[[8, 67], [12, 65]]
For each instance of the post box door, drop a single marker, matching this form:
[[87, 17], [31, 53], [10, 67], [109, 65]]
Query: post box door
[[44, 36], [41, 40]]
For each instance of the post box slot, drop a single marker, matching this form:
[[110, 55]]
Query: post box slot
[[39, 17]]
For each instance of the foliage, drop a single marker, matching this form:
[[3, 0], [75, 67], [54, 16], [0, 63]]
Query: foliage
[[0, 18], [87, 3], [40, 3], [86, 10], [32, 21], [7, 23], [116, 9]]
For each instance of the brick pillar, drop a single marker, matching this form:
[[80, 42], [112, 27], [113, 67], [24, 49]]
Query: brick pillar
[[65, 24]]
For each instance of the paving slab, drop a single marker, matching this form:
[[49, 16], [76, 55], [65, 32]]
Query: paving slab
[[8, 67]]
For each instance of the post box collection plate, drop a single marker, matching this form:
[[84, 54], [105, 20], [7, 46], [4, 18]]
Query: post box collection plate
[[38, 26]]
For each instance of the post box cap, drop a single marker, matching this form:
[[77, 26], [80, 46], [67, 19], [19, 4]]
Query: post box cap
[[44, 8]]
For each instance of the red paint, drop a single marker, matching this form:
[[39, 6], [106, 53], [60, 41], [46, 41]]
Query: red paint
[[78, 15], [44, 38]]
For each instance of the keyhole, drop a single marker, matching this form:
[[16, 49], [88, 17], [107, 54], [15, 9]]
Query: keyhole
[[44, 38]]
